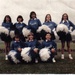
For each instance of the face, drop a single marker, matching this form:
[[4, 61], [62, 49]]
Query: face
[[17, 39], [7, 19], [19, 19], [65, 17], [48, 36], [48, 18], [31, 37], [33, 16]]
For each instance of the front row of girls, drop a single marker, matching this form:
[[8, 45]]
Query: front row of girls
[[35, 46], [33, 25]]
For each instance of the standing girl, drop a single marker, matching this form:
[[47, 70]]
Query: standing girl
[[33, 24], [65, 20], [52, 25], [7, 23], [19, 26]]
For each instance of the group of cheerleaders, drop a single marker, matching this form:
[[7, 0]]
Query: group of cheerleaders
[[34, 38]]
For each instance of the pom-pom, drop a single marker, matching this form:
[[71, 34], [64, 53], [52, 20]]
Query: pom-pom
[[25, 32], [62, 27], [45, 28], [44, 54], [4, 30], [25, 54], [12, 55], [12, 34]]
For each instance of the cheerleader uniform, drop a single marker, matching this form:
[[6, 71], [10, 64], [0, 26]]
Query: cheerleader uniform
[[67, 37], [14, 46], [33, 44], [50, 44], [51, 25], [33, 24], [18, 30], [4, 37]]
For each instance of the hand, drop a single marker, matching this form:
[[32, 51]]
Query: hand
[[53, 50], [19, 49], [36, 50]]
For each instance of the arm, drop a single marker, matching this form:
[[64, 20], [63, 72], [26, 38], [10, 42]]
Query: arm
[[55, 45], [12, 46], [72, 25], [39, 22]]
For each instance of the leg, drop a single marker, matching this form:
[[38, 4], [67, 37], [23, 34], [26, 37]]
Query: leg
[[68, 47], [34, 56], [52, 57], [8, 47], [62, 49], [69, 50], [6, 51]]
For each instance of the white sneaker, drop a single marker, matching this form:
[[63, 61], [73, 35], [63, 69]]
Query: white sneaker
[[62, 56], [36, 61], [6, 57], [70, 56], [53, 60]]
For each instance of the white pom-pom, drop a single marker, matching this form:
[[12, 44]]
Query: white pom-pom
[[62, 27], [44, 54], [4, 30], [12, 34], [12, 54], [45, 28], [25, 32], [25, 54]]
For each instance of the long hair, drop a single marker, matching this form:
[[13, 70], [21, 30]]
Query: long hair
[[46, 17], [7, 16], [63, 16], [31, 13]]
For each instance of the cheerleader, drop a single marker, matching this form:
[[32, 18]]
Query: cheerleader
[[33, 24], [52, 25], [35, 46], [16, 46], [48, 43], [7, 23], [19, 26], [67, 38]]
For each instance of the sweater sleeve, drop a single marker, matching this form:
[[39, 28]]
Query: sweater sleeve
[[72, 25]]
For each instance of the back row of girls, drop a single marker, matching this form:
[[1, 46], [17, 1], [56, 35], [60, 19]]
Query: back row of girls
[[33, 25]]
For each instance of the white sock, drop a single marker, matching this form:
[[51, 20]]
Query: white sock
[[62, 56], [53, 60], [70, 56]]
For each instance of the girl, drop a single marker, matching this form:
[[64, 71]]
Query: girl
[[7, 23], [49, 43], [19, 26], [65, 20], [16, 46], [33, 24], [52, 25], [35, 46]]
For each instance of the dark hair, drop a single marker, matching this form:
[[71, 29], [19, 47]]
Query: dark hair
[[7, 16], [63, 16], [48, 33], [17, 36], [20, 17], [31, 13], [46, 17]]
